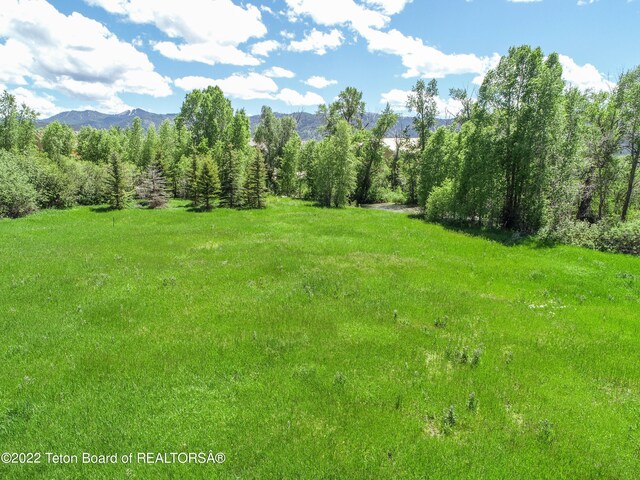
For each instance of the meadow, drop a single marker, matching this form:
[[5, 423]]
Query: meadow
[[312, 343]]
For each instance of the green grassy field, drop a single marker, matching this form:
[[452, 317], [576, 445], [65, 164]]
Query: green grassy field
[[311, 343]]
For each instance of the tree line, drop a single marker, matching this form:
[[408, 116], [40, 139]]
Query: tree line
[[528, 153]]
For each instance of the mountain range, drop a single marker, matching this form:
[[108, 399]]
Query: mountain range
[[308, 123], [90, 118]]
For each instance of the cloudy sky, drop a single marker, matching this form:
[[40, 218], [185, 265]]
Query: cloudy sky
[[113, 55]]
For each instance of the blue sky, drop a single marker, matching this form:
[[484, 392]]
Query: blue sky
[[112, 55]]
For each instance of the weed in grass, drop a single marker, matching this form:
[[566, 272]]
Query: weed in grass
[[441, 322], [536, 275], [626, 276], [472, 403], [475, 357], [546, 431], [449, 419], [463, 355], [339, 379], [508, 357], [15, 416]]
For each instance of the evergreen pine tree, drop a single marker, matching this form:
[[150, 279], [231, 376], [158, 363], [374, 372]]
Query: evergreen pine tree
[[230, 177], [192, 180], [208, 184], [152, 189], [117, 190], [289, 168], [255, 189], [149, 147], [135, 142]]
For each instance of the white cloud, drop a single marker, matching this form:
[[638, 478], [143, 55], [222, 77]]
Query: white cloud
[[251, 86], [209, 53], [398, 100], [263, 49], [423, 60], [16, 61], [291, 97], [112, 105], [319, 82], [338, 12], [420, 59], [267, 9], [390, 7], [73, 54], [210, 31], [585, 77], [41, 103], [138, 42], [279, 72], [317, 42]]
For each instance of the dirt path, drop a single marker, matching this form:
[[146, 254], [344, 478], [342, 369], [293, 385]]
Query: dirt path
[[394, 207]]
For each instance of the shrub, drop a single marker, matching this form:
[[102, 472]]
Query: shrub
[[608, 235], [388, 195], [440, 205], [90, 183], [624, 238], [572, 232], [55, 184], [17, 194]]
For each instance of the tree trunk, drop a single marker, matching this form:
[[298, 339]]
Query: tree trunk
[[632, 181], [586, 198]]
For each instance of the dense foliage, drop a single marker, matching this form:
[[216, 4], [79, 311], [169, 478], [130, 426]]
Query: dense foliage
[[529, 154]]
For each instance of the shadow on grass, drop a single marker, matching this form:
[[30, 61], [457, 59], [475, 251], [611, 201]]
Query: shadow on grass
[[507, 238], [194, 209], [102, 209]]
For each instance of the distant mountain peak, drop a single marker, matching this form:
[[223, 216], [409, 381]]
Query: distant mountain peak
[[308, 123], [136, 111], [91, 118]]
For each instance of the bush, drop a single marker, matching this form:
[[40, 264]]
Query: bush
[[55, 184], [573, 232], [90, 183], [624, 238], [609, 235], [388, 195], [441, 202], [17, 195]]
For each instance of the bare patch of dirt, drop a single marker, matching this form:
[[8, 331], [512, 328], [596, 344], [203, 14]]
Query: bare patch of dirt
[[394, 207]]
